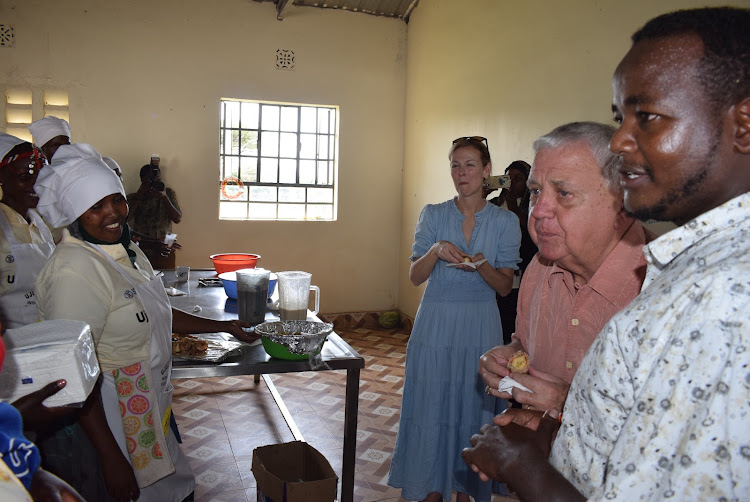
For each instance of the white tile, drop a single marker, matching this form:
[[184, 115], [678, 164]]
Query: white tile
[[329, 400], [191, 398], [392, 378], [370, 396], [196, 414], [188, 384], [199, 432], [204, 453], [375, 456], [230, 381], [377, 367], [210, 479], [317, 386], [385, 411], [362, 435]]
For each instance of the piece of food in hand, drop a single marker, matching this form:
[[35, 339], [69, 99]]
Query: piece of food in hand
[[467, 259], [188, 345], [519, 362]]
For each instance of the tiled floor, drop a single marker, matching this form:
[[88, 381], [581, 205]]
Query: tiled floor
[[223, 419]]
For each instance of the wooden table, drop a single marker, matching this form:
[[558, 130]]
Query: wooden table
[[253, 360]]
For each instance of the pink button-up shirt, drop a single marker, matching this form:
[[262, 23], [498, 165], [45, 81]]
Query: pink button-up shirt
[[559, 319]]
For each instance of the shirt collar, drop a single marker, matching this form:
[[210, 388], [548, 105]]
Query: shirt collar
[[670, 245], [607, 281]]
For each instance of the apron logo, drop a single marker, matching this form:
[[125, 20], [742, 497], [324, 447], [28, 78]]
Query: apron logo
[[11, 279], [28, 295], [9, 259], [142, 316], [130, 293]]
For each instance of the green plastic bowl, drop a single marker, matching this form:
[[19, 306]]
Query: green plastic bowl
[[293, 340]]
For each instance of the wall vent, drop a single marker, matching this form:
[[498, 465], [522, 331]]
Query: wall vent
[[284, 59], [7, 36]]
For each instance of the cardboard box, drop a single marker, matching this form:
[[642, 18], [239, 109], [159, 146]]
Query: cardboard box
[[293, 472], [41, 353]]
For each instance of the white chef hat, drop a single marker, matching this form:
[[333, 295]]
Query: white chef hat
[[7, 143], [77, 180], [47, 128]]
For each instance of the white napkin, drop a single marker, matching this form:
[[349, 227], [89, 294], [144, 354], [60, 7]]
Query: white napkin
[[472, 264], [507, 384]]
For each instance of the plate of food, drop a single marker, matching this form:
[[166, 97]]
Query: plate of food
[[196, 348]]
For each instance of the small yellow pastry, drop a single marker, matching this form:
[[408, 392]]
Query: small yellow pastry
[[467, 259], [519, 362]]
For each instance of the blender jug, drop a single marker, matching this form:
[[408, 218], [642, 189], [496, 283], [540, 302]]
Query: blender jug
[[294, 295], [252, 294]]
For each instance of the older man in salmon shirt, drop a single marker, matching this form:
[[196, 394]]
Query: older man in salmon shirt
[[590, 264]]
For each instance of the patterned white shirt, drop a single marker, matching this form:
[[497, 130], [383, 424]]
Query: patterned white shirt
[[660, 406]]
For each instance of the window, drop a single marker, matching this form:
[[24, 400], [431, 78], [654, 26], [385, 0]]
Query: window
[[277, 161]]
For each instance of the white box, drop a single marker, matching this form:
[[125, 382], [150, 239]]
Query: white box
[[41, 353]]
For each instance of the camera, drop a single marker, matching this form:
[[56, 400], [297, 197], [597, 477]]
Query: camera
[[155, 184], [497, 182]]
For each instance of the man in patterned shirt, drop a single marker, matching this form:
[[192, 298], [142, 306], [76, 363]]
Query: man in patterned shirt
[[659, 407]]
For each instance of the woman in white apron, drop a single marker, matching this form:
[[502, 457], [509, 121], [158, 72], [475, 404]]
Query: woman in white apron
[[98, 276], [25, 240]]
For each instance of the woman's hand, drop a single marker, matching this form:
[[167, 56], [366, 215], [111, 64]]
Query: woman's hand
[[119, 477], [447, 251], [35, 415]]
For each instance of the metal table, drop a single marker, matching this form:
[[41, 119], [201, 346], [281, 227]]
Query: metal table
[[253, 360]]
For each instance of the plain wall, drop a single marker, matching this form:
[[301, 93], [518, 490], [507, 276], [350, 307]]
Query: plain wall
[[146, 76], [510, 71]]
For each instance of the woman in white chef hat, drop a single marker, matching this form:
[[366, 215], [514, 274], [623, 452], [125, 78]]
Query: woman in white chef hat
[[25, 239], [99, 276]]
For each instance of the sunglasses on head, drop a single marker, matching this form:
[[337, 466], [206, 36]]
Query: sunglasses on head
[[472, 138]]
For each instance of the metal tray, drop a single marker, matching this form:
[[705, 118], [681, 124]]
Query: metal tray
[[218, 351]]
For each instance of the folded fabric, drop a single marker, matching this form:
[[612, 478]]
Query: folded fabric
[[507, 384]]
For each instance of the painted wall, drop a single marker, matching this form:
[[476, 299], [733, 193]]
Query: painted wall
[[510, 71], [146, 76]]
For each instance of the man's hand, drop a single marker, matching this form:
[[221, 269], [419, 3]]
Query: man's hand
[[493, 366], [46, 487], [549, 391], [508, 454], [35, 415]]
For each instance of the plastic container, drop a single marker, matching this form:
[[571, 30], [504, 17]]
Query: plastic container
[[229, 281], [228, 262]]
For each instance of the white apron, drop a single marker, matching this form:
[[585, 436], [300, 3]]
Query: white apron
[[18, 303], [153, 298]]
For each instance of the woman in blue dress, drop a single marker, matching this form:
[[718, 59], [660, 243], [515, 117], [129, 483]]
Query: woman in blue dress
[[444, 402]]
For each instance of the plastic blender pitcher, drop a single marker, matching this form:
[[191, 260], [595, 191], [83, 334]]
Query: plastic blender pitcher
[[252, 294], [294, 295]]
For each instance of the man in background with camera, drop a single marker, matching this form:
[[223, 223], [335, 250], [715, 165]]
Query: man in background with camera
[[153, 209]]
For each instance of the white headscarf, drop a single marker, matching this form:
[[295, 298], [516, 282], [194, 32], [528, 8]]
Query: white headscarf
[[77, 180], [7, 143], [47, 128]]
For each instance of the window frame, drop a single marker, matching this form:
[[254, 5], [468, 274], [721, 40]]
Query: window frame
[[251, 187]]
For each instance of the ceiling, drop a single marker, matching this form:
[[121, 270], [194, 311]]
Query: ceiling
[[399, 9]]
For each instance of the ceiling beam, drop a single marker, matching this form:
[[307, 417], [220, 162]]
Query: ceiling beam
[[282, 7]]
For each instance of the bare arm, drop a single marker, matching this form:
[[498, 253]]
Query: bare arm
[[185, 323], [499, 279], [118, 474]]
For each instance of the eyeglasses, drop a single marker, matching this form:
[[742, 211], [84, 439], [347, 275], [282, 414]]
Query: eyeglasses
[[472, 138]]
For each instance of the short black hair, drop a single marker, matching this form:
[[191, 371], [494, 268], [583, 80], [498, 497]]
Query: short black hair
[[724, 69]]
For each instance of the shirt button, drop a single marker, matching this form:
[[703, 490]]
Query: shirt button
[[568, 365], [574, 322]]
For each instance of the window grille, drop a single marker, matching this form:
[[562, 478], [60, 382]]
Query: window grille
[[278, 161]]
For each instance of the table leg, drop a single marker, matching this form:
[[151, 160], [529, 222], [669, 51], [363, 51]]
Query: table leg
[[350, 434]]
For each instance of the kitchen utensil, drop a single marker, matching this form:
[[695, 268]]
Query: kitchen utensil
[[294, 295]]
